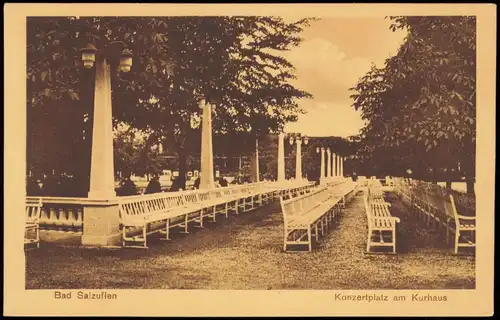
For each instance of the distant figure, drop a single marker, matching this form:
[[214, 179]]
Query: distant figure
[[354, 176], [197, 183], [223, 182], [127, 187], [154, 185], [176, 184]]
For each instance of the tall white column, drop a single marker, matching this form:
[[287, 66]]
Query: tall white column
[[101, 222], [329, 163], [298, 160], [281, 157], [334, 172], [337, 165], [102, 172], [342, 166], [207, 159], [322, 174]]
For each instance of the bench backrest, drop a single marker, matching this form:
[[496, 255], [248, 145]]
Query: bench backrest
[[191, 198], [204, 196], [300, 204]]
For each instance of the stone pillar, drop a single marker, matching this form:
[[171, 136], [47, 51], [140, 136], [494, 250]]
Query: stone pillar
[[281, 157], [102, 172], [101, 217], [334, 170], [207, 158], [298, 160], [342, 166], [322, 174], [329, 163], [337, 165]]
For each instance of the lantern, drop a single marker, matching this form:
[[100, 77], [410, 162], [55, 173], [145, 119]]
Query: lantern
[[291, 140], [88, 55], [126, 60], [317, 149]]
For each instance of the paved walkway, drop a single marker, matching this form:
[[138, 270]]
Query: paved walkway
[[245, 252]]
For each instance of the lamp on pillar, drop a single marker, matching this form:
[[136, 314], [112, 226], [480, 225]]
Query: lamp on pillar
[[207, 164], [298, 155], [102, 181], [101, 221]]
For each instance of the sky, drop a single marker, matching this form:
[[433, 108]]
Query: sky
[[335, 53]]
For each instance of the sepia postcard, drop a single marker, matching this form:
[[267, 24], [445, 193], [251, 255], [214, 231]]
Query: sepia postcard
[[249, 159]]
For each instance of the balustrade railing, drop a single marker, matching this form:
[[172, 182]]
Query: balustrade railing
[[466, 203]]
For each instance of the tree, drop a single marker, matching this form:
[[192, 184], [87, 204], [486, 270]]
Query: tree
[[422, 102], [234, 61]]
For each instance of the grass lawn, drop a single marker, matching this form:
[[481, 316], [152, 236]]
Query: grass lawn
[[245, 252]]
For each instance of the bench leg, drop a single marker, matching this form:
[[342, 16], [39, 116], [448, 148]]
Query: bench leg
[[167, 229], [368, 240], [144, 235], [185, 224], [285, 238], [38, 236], [226, 209], [310, 238], [124, 234], [457, 238], [394, 239], [201, 218]]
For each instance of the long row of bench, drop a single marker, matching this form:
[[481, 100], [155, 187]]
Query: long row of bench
[[381, 224], [437, 208], [309, 214], [143, 215]]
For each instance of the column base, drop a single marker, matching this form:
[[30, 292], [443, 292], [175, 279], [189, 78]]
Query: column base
[[102, 241], [101, 225]]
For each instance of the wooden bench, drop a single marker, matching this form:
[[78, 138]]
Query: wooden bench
[[381, 224], [306, 216], [436, 206], [32, 226], [147, 212]]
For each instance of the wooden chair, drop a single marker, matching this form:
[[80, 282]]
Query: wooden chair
[[32, 225]]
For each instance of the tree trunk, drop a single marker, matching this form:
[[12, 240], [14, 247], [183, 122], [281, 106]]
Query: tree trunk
[[182, 168], [468, 164]]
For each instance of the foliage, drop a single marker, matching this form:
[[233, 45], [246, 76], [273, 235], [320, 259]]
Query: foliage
[[234, 61], [422, 102]]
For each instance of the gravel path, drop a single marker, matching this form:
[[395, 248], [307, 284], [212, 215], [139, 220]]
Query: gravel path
[[245, 252]]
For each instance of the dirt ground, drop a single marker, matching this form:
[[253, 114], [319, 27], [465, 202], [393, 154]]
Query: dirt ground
[[245, 252]]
